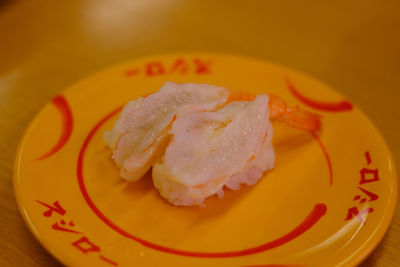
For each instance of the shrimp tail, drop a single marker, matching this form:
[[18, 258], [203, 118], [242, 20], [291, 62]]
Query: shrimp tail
[[302, 120], [293, 116], [279, 110]]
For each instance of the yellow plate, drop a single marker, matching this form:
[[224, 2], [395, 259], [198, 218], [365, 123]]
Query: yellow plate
[[327, 202]]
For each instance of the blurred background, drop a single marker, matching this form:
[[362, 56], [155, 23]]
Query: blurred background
[[45, 46]]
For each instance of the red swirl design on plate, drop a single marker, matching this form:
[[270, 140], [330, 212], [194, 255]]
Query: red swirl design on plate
[[67, 125], [313, 217], [324, 106], [108, 260], [328, 159]]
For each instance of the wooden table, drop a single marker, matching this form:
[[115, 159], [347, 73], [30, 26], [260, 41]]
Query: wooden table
[[45, 46]]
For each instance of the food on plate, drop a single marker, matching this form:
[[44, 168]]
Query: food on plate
[[200, 139], [141, 132], [211, 150]]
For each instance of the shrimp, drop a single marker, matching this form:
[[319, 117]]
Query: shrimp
[[140, 134]]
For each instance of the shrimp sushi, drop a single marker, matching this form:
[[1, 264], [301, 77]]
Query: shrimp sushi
[[200, 139], [212, 150], [141, 132]]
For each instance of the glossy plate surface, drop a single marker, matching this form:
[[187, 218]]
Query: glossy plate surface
[[327, 202]]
